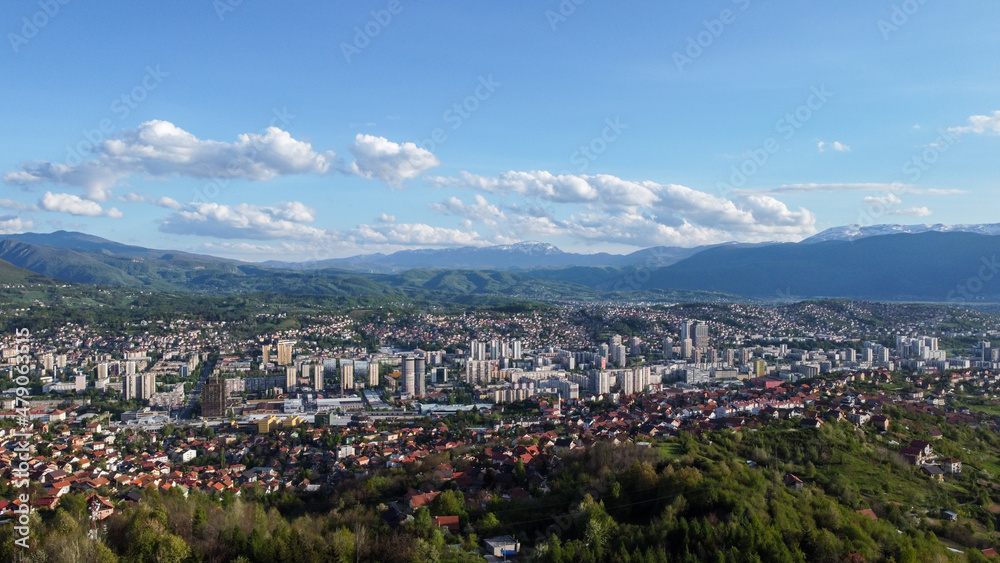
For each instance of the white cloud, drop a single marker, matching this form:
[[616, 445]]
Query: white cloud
[[980, 124], [481, 210], [10, 225], [17, 205], [75, 205], [836, 187], [244, 221], [911, 211], [888, 199], [378, 157], [840, 147], [386, 218], [415, 234], [159, 148], [164, 201], [637, 213]]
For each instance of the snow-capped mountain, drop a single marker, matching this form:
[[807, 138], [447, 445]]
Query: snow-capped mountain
[[855, 232]]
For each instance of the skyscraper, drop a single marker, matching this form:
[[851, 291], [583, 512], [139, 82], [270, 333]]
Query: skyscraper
[[285, 352], [409, 379], [419, 370], [318, 382], [213, 398], [290, 378], [265, 353], [372, 374], [346, 375]]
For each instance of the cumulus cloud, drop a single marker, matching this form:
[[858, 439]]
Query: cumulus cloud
[[481, 210], [662, 213], [378, 157], [415, 234], [159, 148], [244, 221], [12, 224], [75, 205], [386, 218], [980, 124]]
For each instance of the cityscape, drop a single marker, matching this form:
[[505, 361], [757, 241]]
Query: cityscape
[[546, 282]]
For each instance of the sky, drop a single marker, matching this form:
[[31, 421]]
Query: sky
[[310, 130]]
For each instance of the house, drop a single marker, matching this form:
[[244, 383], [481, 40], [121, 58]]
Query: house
[[793, 482], [952, 465], [448, 522], [99, 507], [867, 512], [880, 422], [933, 471]]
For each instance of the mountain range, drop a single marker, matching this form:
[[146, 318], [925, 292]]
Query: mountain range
[[936, 263]]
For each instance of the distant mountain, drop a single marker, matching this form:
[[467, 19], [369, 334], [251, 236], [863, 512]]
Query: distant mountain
[[520, 256], [855, 232], [928, 266], [939, 264], [80, 258]]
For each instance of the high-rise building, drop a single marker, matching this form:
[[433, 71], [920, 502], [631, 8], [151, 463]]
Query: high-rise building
[[372, 374], [687, 330], [409, 377], [80, 383], [346, 375], [700, 338], [419, 373], [291, 376], [148, 386], [477, 350], [213, 398], [319, 384], [265, 353], [516, 349], [102, 370], [687, 349], [668, 348], [600, 382], [285, 352], [130, 386]]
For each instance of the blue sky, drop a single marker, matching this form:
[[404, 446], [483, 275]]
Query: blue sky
[[262, 130]]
